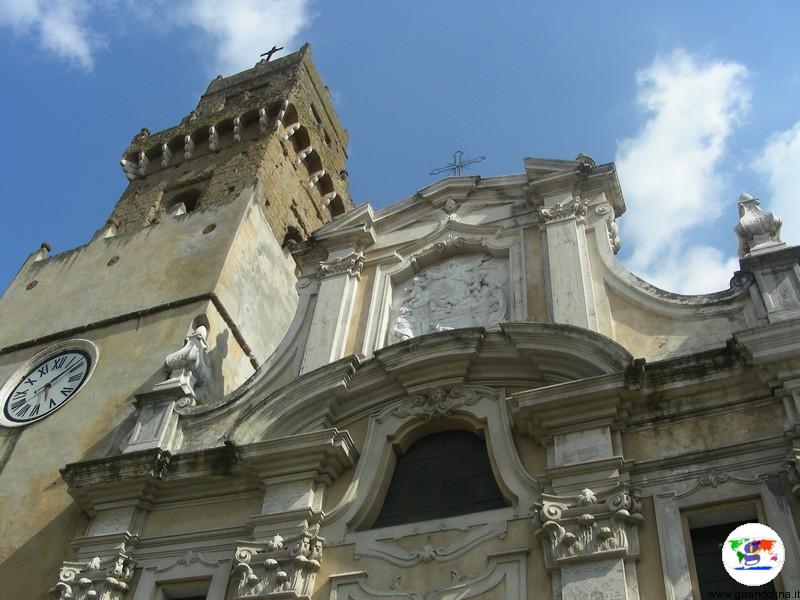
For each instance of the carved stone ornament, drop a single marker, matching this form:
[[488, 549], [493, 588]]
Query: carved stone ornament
[[130, 168], [166, 154], [758, 230], [576, 529], [237, 130], [106, 578], [564, 210], [793, 471], [468, 290], [350, 264], [188, 366], [436, 403], [278, 567]]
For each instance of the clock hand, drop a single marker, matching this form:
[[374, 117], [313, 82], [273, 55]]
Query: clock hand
[[50, 383]]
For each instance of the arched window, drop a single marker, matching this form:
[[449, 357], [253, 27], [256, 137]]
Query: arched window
[[440, 475]]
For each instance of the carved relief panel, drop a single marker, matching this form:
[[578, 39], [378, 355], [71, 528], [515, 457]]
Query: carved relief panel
[[468, 290]]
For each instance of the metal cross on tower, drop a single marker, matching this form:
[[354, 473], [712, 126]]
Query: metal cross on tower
[[458, 164], [271, 51]]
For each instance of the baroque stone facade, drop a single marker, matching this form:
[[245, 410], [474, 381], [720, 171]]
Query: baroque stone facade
[[461, 395]]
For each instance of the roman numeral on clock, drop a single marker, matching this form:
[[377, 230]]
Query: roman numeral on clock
[[52, 403], [44, 369], [59, 362], [20, 394], [35, 411], [15, 405], [67, 391], [76, 377]]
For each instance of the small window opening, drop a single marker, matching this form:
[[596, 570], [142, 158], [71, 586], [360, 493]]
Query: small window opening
[[336, 207], [314, 112], [190, 199], [292, 236], [441, 475]]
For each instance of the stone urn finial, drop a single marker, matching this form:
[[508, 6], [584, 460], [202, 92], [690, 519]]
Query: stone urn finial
[[758, 230]]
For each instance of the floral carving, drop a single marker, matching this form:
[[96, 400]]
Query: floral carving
[[581, 527], [350, 264], [101, 577], [436, 403], [278, 567], [564, 210]]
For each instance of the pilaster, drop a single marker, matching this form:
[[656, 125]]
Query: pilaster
[[588, 525]]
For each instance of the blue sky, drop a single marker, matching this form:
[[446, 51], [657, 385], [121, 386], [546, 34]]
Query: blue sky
[[695, 102]]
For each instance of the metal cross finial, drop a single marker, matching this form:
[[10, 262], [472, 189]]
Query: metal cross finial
[[458, 164], [271, 51]]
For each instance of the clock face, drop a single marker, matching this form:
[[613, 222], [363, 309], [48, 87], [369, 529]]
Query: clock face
[[46, 387]]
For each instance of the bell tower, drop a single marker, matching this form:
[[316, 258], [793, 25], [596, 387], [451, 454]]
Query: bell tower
[[197, 248], [273, 124]]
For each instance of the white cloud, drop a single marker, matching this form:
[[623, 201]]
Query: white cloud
[[59, 26], [670, 172], [779, 162], [240, 30], [235, 31]]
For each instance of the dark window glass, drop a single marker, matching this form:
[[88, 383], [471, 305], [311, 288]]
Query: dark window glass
[[711, 575], [441, 475]]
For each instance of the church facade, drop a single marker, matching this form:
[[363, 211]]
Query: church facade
[[253, 389]]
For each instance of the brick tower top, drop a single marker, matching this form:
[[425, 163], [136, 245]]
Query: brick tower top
[[273, 124]]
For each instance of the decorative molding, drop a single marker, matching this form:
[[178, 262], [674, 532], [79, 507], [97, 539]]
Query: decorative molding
[[435, 403], [715, 478], [350, 264], [575, 208], [396, 555], [278, 567], [758, 230], [582, 527], [506, 566], [613, 235], [107, 578], [186, 559]]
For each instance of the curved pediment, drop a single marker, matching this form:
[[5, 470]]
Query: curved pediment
[[519, 355]]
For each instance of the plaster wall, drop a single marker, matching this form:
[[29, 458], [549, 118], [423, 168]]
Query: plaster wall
[[167, 262], [37, 516], [257, 283], [702, 433], [654, 336]]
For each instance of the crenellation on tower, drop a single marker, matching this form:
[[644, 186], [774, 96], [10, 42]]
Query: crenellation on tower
[[273, 123]]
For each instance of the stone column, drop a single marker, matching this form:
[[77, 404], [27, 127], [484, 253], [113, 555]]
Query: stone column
[[332, 314]]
